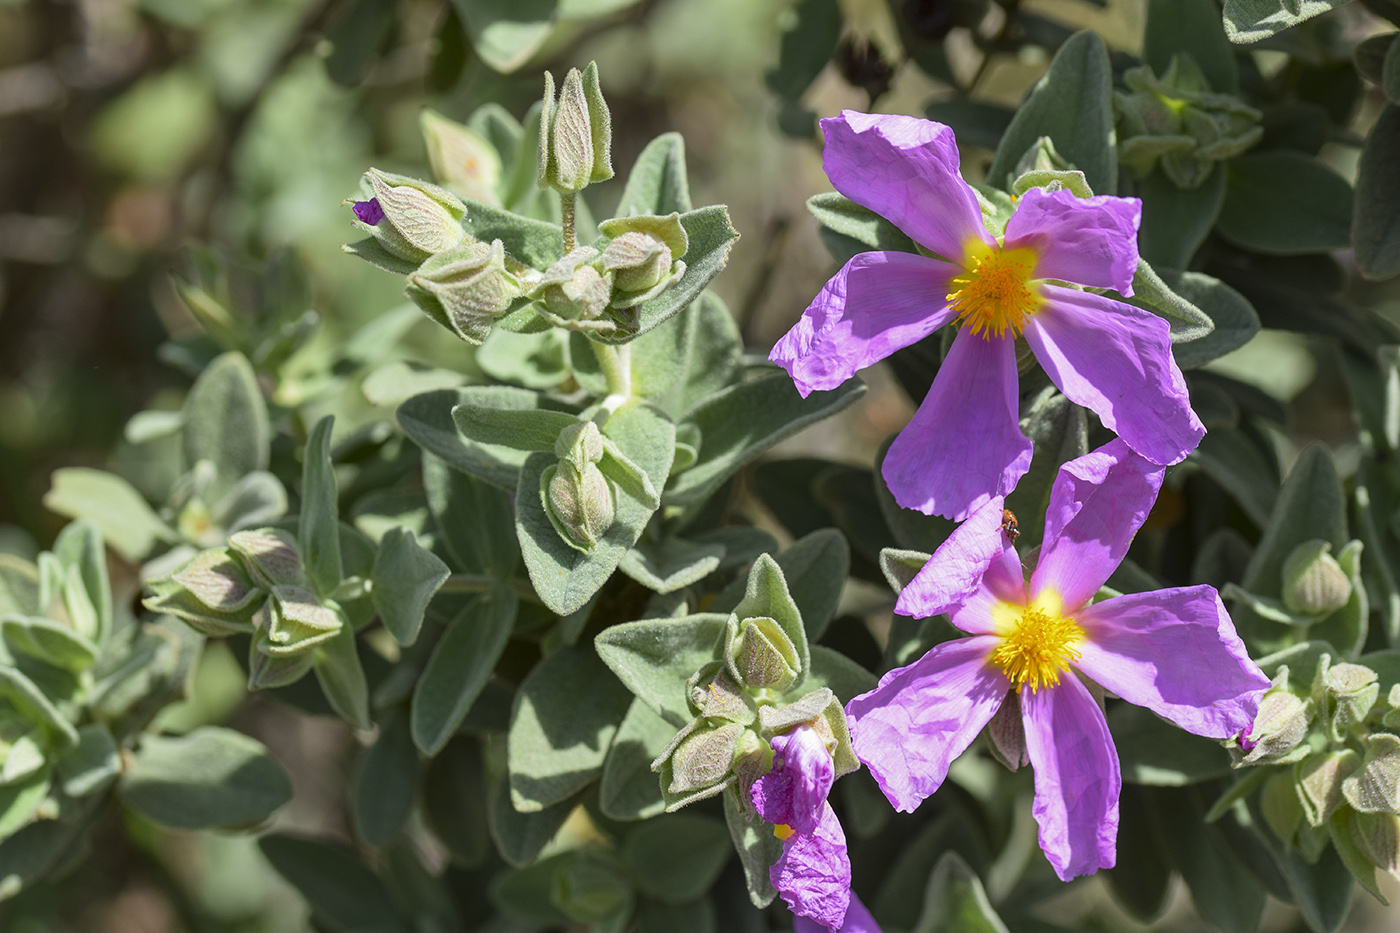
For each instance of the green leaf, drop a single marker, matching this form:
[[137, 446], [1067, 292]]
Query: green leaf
[[695, 917], [956, 901], [319, 530], [1234, 321], [658, 359], [974, 122], [342, 677], [758, 849], [671, 565], [1150, 291], [1251, 20], [475, 520], [519, 837], [832, 669], [1310, 505], [79, 548], [454, 801], [404, 579], [1285, 203], [565, 716], [31, 703], [805, 47], [840, 214], [1073, 105], [676, 858], [20, 800], [1176, 221], [19, 586], [225, 420], [211, 778], [535, 361], [565, 577], [1232, 458], [529, 429], [127, 523], [1191, 26], [90, 765], [713, 355], [48, 641], [1223, 890], [386, 785], [629, 789], [460, 665], [1375, 228], [739, 423], [357, 38], [340, 889], [32, 852], [536, 243], [655, 657], [815, 568], [658, 183], [427, 419], [506, 33], [1153, 751]]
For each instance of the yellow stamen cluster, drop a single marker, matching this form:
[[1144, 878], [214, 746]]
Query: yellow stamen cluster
[[994, 294], [1038, 649], [782, 830]]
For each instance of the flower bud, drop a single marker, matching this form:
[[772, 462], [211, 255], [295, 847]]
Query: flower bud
[[644, 256], [212, 593], [1375, 787], [465, 289], [579, 503], [1007, 734], [714, 695], [1349, 690], [572, 289], [1319, 778], [411, 219], [296, 620], [1281, 723], [1314, 584], [580, 444], [1377, 835], [766, 658], [703, 758], [463, 162], [270, 555], [575, 133]]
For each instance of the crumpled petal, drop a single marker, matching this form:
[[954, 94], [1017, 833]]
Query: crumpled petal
[[1097, 504], [1116, 360], [858, 920], [906, 170], [1004, 582], [1077, 781], [955, 570], [878, 303], [964, 444], [920, 717], [794, 792], [1088, 241], [813, 875], [1175, 652]]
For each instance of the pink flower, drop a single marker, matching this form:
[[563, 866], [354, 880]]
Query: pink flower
[[368, 212], [1174, 651], [964, 445], [813, 874]]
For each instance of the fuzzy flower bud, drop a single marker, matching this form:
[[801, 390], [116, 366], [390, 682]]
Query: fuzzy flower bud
[[573, 289], [411, 219], [463, 162], [1314, 584], [644, 257], [575, 133], [766, 657], [465, 289], [577, 496], [1282, 722]]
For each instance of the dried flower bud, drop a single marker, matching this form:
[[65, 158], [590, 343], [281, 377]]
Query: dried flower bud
[[465, 289], [575, 133], [411, 219], [463, 162], [1314, 584]]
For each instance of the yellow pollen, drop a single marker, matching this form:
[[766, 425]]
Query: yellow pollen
[[1038, 649], [994, 294], [782, 830]]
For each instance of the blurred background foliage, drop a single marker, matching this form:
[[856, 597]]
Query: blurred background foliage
[[130, 129]]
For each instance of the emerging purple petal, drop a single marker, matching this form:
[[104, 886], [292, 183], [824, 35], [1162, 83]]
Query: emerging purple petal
[[906, 170], [1175, 652], [878, 303], [1076, 777], [955, 570], [794, 792], [858, 920], [368, 212], [1097, 504], [1088, 241], [813, 875], [920, 717], [1116, 360], [964, 444]]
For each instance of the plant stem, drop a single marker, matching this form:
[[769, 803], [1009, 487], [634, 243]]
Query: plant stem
[[566, 204], [484, 583], [616, 364]]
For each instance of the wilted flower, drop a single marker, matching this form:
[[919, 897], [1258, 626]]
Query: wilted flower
[[1174, 651], [965, 444]]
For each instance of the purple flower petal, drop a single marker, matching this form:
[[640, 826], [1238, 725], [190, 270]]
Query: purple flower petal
[[858, 920], [1088, 241], [1076, 777], [1004, 582], [1175, 652], [813, 875], [794, 792], [906, 170], [920, 717], [964, 445], [877, 303], [1097, 504], [368, 212], [955, 570], [1117, 361]]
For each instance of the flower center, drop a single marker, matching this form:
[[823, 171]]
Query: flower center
[[1038, 649], [994, 294]]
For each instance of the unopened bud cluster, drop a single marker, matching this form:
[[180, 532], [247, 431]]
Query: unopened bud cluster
[[749, 695], [256, 586], [577, 496], [1177, 123], [575, 133]]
